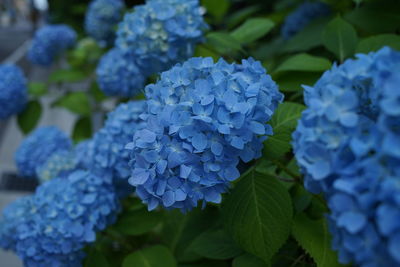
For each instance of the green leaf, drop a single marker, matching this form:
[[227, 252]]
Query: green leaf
[[304, 62], [313, 236], [28, 119], [258, 214], [97, 94], [301, 198], [252, 29], [96, 258], [206, 263], [82, 129], [138, 222], [70, 76], [248, 260], [223, 42], [76, 102], [309, 37], [37, 89], [293, 81], [155, 256], [202, 51], [216, 8], [215, 244], [376, 42], [283, 122], [340, 38], [240, 15]]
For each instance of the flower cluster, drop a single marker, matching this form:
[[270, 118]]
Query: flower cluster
[[59, 164], [347, 144], [203, 117], [302, 16], [102, 17], [13, 90], [118, 74], [161, 33], [64, 216], [110, 158], [36, 149], [49, 42]]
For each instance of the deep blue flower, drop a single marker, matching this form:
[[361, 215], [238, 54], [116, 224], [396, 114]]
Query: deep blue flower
[[161, 33], [13, 90], [64, 216], [50, 41], [36, 149], [347, 144], [203, 118], [302, 16], [118, 74], [102, 17]]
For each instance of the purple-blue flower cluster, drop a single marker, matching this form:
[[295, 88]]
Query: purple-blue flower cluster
[[203, 118], [13, 90], [347, 144], [36, 149], [161, 33], [302, 16], [49, 42], [60, 219], [118, 74], [102, 17]]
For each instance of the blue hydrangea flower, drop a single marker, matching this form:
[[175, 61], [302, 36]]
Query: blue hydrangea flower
[[347, 144], [14, 215], [83, 153], [66, 216], [102, 17], [118, 74], [36, 149], [161, 33], [13, 90], [302, 16], [49, 42], [203, 117], [59, 164]]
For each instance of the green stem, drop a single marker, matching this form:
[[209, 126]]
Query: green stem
[[281, 166]]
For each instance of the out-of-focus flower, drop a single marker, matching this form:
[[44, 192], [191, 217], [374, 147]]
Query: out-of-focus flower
[[347, 144], [64, 217], [161, 33], [59, 164], [49, 42], [302, 16], [13, 90], [36, 149], [203, 117], [101, 19], [118, 74]]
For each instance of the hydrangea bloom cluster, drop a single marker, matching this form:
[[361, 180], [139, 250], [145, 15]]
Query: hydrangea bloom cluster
[[110, 158], [13, 90], [203, 117], [161, 33], [65, 217], [118, 74], [49, 42], [36, 149], [83, 153], [59, 164], [302, 16], [347, 144], [102, 17]]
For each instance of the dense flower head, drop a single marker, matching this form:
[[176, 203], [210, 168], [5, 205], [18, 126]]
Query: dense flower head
[[36, 149], [102, 17], [118, 74], [302, 16], [49, 42], [13, 90], [66, 214], [203, 118], [84, 153], [110, 158], [14, 214], [161, 33], [347, 144], [59, 164]]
